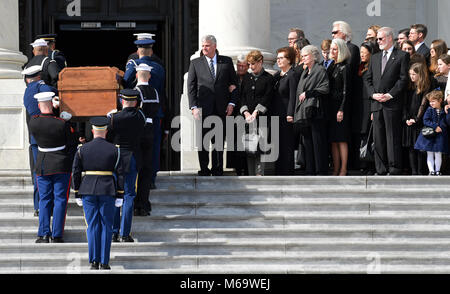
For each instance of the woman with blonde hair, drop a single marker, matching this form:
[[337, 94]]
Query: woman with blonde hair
[[339, 116]]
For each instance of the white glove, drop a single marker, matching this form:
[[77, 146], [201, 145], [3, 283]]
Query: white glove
[[119, 202], [111, 112], [79, 201], [55, 102], [65, 115]]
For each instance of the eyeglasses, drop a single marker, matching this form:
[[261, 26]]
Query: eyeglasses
[[381, 39], [334, 32], [292, 39], [280, 57]]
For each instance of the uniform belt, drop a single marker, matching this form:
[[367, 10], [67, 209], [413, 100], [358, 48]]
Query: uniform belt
[[98, 173], [51, 149]]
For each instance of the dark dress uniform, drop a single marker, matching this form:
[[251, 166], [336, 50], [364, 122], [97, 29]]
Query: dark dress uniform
[[103, 181], [55, 55], [158, 82], [150, 106], [31, 107], [50, 69], [125, 129], [54, 137]]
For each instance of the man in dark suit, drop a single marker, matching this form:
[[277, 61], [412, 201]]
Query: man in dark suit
[[417, 35], [209, 79], [386, 81]]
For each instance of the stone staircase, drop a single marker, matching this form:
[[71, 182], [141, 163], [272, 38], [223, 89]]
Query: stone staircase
[[353, 224]]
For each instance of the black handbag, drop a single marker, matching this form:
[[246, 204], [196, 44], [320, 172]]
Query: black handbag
[[428, 132], [367, 147]]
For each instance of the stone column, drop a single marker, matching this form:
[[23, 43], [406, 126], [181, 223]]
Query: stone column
[[13, 130], [239, 27]]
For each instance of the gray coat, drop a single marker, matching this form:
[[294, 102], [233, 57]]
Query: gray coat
[[315, 84]]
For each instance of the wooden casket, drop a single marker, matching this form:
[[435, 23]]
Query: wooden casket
[[89, 91]]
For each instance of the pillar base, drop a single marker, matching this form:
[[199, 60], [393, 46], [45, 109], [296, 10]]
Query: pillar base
[[11, 63]]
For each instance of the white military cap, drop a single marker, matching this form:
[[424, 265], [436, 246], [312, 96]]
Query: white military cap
[[144, 36], [39, 43], [32, 70], [44, 96], [144, 67]]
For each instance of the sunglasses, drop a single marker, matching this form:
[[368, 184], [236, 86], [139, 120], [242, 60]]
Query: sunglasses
[[334, 32]]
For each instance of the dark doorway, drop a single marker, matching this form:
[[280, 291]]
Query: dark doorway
[[106, 47], [175, 23]]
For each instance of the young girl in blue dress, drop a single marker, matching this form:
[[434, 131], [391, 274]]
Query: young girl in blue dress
[[434, 117]]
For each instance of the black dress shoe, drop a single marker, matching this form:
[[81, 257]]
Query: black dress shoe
[[94, 265], [115, 238], [127, 239], [140, 212], [204, 173], [217, 172], [36, 212], [57, 240], [43, 239], [104, 267]]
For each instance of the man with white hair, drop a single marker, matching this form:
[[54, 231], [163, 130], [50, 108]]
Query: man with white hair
[[342, 30], [386, 81], [50, 69], [209, 79]]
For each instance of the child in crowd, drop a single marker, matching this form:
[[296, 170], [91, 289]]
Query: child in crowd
[[413, 111], [434, 117]]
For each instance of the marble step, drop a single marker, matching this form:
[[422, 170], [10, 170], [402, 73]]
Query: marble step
[[280, 262]]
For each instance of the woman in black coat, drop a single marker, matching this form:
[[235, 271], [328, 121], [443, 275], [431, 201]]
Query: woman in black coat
[[309, 111], [363, 114], [338, 106], [256, 96], [285, 87]]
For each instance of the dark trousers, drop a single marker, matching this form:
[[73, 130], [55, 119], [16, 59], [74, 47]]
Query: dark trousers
[[387, 136], [316, 147], [145, 177], [417, 161], [216, 153], [285, 163]]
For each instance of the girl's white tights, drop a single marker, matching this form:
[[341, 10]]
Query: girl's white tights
[[434, 161]]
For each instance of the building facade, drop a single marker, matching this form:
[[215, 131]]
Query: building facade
[[93, 32]]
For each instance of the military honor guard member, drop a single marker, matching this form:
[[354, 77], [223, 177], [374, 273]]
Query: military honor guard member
[[54, 138], [54, 53], [135, 55], [150, 105], [126, 128], [34, 85], [50, 69], [146, 55], [98, 181]]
